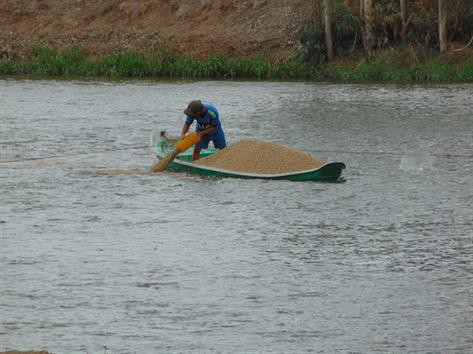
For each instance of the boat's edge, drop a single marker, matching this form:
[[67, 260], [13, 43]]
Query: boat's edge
[[330, 171], [257, 175]]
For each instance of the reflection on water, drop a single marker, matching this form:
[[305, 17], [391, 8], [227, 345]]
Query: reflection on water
[[96, 251]]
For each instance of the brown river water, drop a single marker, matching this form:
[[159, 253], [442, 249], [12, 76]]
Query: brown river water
[[97, 255]]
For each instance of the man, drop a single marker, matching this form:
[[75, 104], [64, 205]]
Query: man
[[208, 127]]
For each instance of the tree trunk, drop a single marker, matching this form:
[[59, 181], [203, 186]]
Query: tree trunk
[[404, 20], [317, 14], [328, 28], [368, 20], [442, 26]]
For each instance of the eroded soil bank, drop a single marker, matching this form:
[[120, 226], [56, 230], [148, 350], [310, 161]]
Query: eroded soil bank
[[194, 28]]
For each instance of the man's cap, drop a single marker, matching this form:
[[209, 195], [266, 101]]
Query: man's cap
[[193, 108]]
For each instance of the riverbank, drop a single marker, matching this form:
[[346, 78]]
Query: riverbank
[[216, 40], [387, 66]]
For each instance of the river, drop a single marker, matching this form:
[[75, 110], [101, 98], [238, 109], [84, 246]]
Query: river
[[99, 256]]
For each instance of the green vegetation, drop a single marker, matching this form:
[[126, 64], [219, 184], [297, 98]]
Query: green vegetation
[[393, 67], [385, 66], [74, 61], [361, 25], [384, 41], [346, 29]]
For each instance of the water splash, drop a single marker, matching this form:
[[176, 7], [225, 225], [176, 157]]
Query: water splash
[[419, 160]]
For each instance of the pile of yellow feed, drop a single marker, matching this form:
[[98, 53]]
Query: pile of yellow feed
[[255, 156]]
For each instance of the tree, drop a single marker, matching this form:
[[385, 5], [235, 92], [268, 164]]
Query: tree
[[442, 25], [368, 37], [404, 19], [317, 14], [328, 28]]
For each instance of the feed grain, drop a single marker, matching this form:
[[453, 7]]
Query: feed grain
[[255, 156]]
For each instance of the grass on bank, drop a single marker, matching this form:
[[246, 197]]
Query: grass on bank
[[394, 67], [74, 61], [385, 66]]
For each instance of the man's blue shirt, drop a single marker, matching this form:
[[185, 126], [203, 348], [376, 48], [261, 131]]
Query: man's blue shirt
[[210, 119]]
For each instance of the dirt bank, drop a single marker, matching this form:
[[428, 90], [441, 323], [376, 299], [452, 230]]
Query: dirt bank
[[194, 27]]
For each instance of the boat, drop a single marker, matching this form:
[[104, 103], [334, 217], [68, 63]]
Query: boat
[[163, 145]]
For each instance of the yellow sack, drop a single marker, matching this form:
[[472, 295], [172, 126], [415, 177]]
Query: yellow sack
[[181, 146], [188, 141]]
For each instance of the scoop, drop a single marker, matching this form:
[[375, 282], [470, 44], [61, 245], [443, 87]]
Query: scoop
[[181, 146]]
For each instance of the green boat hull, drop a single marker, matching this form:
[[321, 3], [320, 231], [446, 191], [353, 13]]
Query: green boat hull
[[329, 172]]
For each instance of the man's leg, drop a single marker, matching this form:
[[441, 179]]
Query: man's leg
[[196, 154], [202, 144], [219, 140]]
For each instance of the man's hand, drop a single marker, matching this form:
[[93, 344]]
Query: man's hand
[[184, 130]]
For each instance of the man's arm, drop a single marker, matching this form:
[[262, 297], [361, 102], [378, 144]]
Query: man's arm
[[185, 129], [207, 131], [214, 122]]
